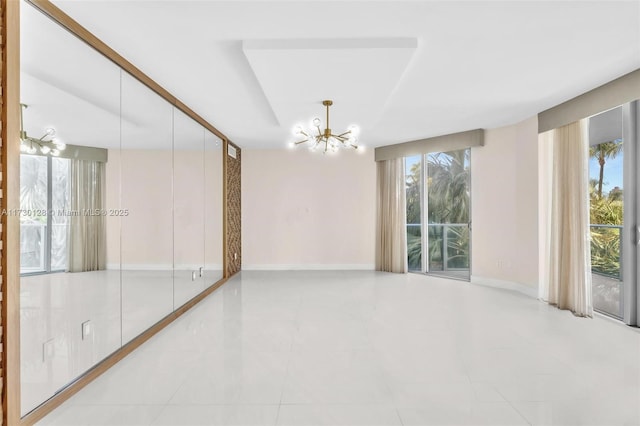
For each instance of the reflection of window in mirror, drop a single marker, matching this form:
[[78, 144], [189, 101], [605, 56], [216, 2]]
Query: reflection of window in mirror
[[44, 200]]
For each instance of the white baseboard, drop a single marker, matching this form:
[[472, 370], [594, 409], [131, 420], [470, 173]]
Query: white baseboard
[[160, 267], [506, 285], [309, 267]]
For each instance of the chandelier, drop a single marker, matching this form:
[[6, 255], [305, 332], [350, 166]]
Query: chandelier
[[46, 145], [325, 140]]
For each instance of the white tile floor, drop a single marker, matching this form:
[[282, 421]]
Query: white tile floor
[[365, 348]]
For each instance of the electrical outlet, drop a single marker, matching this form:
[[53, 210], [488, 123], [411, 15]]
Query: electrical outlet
[[235, 256], [194, 275], [48, 350], [87, 329]]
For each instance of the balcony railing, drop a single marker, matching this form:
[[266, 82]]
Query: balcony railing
[[448, 246], [606, 250], [606, 269]]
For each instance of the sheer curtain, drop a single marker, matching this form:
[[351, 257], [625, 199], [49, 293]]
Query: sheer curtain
[[391, 228], [567, 245], [87, 232]]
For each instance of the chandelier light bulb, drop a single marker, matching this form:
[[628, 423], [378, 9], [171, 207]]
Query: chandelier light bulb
[[325, 140], [23, 147], [31, 150], [55, 152], [45, 149], [50, 131], [61, 146]]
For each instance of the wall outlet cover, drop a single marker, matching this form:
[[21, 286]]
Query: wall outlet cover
[[48, 350], [87, 328]]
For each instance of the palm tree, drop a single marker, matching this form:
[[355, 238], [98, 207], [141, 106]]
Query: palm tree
[[413, 194], [449, 187], [603, 152]]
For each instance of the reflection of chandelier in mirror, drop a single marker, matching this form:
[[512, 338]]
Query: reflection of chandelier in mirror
[[324, 140], [45, 146]]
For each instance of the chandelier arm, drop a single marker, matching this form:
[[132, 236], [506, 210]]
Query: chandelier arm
[[342, 134], [299, 142]]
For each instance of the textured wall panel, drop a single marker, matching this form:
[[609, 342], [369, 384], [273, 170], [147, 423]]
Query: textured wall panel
[[234, 242]]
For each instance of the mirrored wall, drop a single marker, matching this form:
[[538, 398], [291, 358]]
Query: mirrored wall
[[121, 208]]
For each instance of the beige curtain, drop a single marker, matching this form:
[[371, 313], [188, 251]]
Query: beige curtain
[[391, 228], [87, 233], [568, 259]]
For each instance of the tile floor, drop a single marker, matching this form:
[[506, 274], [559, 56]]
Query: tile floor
[[367, 348]]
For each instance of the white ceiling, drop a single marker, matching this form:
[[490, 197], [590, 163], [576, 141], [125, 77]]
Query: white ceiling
[[401, 70]]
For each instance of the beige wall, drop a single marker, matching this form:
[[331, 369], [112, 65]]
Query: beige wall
[[504, 176], [304, 210]]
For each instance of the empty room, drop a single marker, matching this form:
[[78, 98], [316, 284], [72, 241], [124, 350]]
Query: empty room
[[320, 212]]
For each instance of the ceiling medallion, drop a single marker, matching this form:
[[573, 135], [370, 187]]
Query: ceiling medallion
[[325, 140]]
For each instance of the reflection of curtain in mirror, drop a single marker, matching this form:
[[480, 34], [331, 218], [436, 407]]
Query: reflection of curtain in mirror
[[87, 231]]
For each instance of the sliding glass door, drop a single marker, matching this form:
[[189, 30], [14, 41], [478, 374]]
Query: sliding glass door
[[438, 213], [613, 191]]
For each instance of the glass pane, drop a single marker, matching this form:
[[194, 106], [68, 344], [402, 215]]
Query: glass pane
[[413, 172], [457, 247], [448, 201], [69, 87], [146, 240], [448, 187], [59, 217], [33, 220], [606, 210], [188, 208], [213, 209]]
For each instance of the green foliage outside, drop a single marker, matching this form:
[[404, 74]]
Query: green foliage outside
[[605, 209]]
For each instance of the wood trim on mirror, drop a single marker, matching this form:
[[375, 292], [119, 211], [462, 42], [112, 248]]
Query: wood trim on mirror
[[10, 200]]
